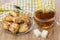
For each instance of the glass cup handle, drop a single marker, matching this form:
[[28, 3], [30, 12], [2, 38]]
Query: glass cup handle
[[57, 22]]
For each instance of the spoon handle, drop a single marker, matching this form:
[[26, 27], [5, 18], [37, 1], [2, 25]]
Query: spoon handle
[[17, 7]]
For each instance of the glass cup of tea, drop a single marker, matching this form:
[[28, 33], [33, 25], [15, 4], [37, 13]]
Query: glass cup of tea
[[44, 19]]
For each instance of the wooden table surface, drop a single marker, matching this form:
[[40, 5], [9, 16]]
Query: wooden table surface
[[54, 34]]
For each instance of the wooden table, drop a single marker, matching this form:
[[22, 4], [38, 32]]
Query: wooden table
[[30, 36]]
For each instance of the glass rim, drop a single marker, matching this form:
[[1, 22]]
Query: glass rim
[[40, 20]]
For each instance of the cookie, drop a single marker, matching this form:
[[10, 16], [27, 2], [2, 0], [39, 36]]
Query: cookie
[[23, 27], [6, 25], [8, 18], [14, 27], [14, 14]]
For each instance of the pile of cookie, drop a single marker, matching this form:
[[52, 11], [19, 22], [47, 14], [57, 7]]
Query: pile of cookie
[[16, 22]]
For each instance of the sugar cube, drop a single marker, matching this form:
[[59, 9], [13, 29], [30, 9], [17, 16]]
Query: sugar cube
[[36, 32], [44, 33]]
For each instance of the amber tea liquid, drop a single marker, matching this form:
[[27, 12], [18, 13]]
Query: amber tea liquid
[[44, 19]]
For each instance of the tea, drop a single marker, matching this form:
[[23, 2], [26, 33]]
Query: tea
[[44, 19]]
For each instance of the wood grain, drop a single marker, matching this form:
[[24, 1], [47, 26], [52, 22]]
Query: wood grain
[[54, 34]]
